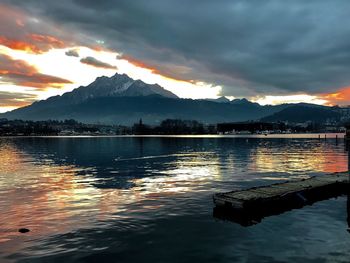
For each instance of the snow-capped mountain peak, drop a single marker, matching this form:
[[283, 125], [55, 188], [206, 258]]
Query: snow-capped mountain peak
[[118, 85]]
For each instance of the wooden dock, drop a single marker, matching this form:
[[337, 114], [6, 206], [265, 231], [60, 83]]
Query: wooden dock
[[249, 206]]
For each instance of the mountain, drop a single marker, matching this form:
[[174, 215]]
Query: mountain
[[223, 99], [243, 101], [220, 100], [303, 113], [128, 110], [122, 100], [115, 86]]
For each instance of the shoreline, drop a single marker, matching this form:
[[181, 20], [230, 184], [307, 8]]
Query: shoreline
[[320, 136]]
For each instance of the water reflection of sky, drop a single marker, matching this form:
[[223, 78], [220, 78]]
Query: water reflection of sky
[[59, 186]]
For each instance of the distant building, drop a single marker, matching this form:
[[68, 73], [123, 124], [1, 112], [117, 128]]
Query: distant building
[[249, 127]]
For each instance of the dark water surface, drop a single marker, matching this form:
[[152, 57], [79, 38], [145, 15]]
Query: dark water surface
[[134, 199]]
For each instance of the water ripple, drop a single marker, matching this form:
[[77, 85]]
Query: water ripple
[[150, 198]]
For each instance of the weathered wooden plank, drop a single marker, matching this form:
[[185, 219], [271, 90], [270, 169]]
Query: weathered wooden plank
[[260, 201], [283, 188]]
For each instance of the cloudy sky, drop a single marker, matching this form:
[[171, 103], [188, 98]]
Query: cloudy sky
[[267, 51]]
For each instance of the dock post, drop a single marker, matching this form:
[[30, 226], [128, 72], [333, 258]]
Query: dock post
[[348, 211], [346, 140], [347, 134]]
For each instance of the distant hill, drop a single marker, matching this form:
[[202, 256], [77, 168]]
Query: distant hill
[[304, 112], [220, 100], [152, 109], [122, 100]]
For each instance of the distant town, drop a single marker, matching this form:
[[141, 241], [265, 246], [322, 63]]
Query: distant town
[[166, 127]]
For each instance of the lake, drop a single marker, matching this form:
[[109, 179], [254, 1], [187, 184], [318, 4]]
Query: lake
[[149, 199]]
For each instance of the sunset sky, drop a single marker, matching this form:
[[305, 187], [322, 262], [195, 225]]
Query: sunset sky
[[267, 51]]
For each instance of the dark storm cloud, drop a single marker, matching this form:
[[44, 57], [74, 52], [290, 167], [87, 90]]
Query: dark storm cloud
[[19, 31], [97, 63], [72, 53], [249, 47]]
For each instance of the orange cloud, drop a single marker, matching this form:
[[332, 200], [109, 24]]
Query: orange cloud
[[168, 72], [16, 99], [138, 63], [48, 41], [19, 45], [19, 32], [341, 97], [37, 44], [19, 72], [16, 103]]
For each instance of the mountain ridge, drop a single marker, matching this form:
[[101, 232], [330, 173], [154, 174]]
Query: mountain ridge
[[302, 113], [122, 100], [115, 86]]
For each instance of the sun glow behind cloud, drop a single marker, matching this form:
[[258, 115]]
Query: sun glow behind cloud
[[273, 100], [58, 57], [340, 97], [55, 62], [58, 46], [47, 60]]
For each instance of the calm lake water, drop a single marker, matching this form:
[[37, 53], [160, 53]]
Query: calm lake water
[[149, 199]]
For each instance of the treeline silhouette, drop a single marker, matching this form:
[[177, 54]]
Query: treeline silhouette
[[174, 127], [73, 127], [54, 127], [166, 127]]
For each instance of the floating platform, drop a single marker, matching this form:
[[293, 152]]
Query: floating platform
[[249, 206]]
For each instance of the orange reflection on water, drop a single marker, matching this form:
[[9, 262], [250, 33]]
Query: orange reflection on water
[[195, 172], [46, 198], [49, 198], [314, 158]]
